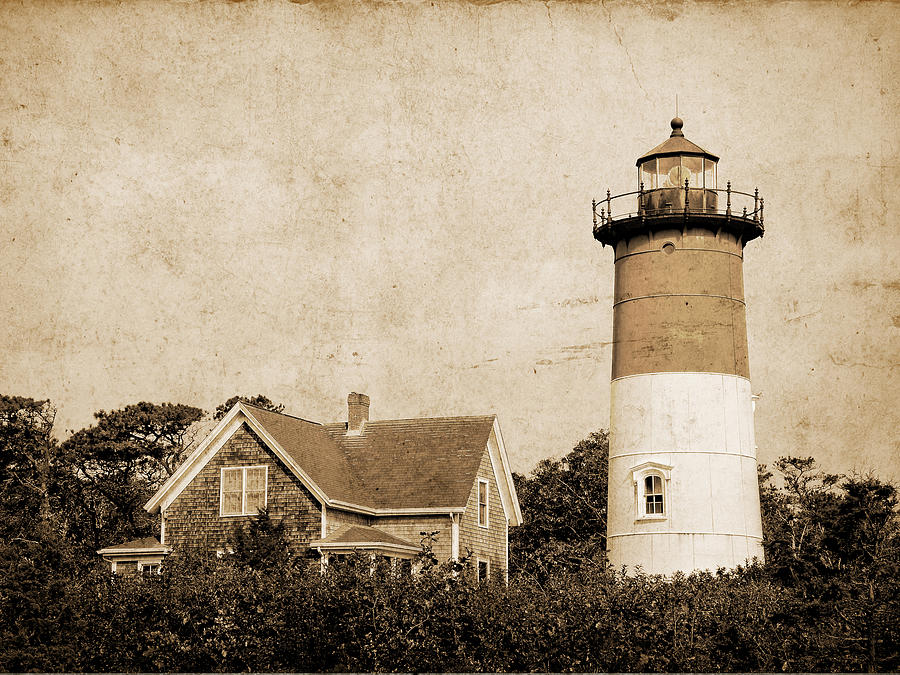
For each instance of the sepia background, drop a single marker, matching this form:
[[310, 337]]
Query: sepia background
[[303, 200]]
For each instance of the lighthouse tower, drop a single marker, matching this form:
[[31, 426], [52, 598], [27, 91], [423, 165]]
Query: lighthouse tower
[[683, 490]]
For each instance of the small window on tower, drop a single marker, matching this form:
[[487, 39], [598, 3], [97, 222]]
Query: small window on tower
[[653, 496]]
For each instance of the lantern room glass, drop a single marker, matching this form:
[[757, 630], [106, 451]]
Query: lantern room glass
[[669, 172], [709, 174], [647, 175]]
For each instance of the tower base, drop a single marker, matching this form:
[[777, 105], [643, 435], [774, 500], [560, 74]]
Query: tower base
[[683, 482], [670, 552]]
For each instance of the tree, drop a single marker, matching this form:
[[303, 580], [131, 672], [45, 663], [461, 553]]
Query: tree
[[795, 518], [863, 540], [563, 510], [261, 544], [122, 459], [835, 541], [29, 462], [259, 401]]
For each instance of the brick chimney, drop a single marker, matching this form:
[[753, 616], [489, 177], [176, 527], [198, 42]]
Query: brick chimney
[[357, 412]]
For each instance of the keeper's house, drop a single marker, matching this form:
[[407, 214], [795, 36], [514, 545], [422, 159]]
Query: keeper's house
[[362, 485]]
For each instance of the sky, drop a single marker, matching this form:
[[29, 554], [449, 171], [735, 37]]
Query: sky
[[307, 199]]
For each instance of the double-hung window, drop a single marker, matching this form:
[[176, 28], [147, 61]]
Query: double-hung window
[[243, 490], [482, 502], [653, 495]]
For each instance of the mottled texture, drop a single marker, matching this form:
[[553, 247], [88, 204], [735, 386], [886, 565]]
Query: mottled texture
[[209, 198]]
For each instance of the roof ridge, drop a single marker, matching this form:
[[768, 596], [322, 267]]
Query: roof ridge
[[295, 417], [418, 419]]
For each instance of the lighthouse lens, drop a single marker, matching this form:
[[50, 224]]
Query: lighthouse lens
[[677, 175]]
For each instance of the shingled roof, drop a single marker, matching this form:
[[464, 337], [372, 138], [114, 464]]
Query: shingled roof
[[392, 464], [149, 544], [408, 464], [316, 452], [362, 536], [416, 463]]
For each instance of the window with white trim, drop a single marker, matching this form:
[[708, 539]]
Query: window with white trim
[[483, 502], [243, 490], [147, 569], [651, 485], [483, 570]]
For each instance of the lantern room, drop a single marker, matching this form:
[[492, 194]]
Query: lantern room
[[677, 160], [674, 166], [678, 180]]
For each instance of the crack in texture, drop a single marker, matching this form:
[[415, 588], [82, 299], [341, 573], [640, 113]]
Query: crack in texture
[[625, 49]]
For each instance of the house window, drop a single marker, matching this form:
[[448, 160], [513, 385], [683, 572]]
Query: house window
[[243, 490], [653, 495], [148, 569], [482, 502], [483, 570]]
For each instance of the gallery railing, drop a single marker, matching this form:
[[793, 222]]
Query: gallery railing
[[674, 201]]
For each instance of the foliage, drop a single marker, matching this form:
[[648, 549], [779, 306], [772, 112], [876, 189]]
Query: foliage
[[144, 440], [119, 462], [259, 401], [34, 481], [261, 543], [835, 542], [563, 511], [203, 614], [827, 598]]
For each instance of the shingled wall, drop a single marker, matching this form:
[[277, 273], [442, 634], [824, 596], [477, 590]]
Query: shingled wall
[[335, 518], [193, 519], [485, 543], [411, 528]]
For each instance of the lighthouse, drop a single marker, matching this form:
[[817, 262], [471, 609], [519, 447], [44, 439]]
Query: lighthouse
[[683, 488]]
